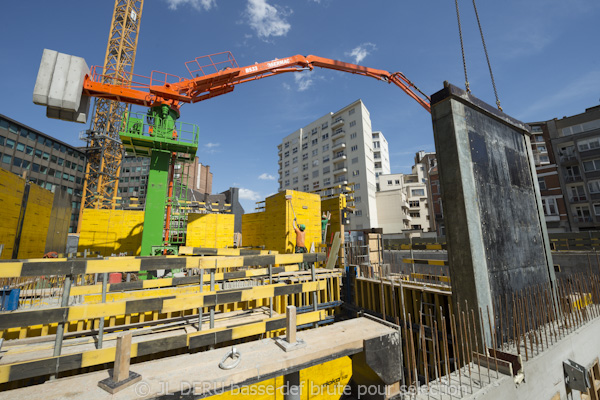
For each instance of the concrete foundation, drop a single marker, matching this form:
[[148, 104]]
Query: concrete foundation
[[496, 235]]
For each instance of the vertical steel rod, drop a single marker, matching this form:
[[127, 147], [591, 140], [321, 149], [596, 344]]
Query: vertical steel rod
[[101, 322]]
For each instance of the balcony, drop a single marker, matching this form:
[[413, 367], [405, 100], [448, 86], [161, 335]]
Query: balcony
[[578, 199], [573, 178], [407, 217], [341, 181], [337, 123], [583, 220], [339, 132], [339, 146], [569, 159], [340, 170], [340, 157], [593, 153]]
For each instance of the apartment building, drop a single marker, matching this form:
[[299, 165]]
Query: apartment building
[[335, 149], [381, 156], [402, 201], [44, 160], [576, 141], [133, 181], [553, 201]]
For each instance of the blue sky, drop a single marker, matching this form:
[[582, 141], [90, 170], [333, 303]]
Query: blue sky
[[545, 58]]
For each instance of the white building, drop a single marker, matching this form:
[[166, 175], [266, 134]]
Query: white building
[[335, 149], [402, 202], [381, 156]]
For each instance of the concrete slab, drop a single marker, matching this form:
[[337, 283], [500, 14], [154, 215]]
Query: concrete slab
[[496, 232], [200, 372], [44, 77], [74, 85], [59, 80]]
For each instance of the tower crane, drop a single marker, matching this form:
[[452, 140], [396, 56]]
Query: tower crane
[[159, 135], [104, 149]]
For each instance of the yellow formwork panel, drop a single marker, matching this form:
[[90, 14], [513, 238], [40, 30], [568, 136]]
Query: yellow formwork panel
[[36, 222], [11, 197], [323, 381], [111, 231], [210, 230], [273, 228]]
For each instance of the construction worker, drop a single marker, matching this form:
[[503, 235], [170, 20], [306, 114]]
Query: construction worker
[[324, 222], [300, 237]]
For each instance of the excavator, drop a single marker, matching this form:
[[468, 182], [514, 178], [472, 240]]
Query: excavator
[[65, 85]]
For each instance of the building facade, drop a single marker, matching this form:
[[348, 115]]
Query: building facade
[[43, 160], [381, 156], [576, 141], [403, 200], [133, 181], [336, 149]]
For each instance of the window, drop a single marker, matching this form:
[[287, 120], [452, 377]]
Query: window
[[351, 111], [326, 170], [415, 227], [295, 160], [13, 128], [10, 143], [28, 150], [287, 182], [304, 146], [594, 186], [377, 155], [357, 199], [56, 146], [26, 164], [315, 141], [544, 158], [378, 165], [542, 182], [305, 156], [315, 173], [592, 165], [286, 164], [397, 182], [358, 213], [43, 169], [325, 136], [306, 188], [305, 177], [315, 152], [316, 185], [287, 173], [326, 181], [581, 213], [413, 203], [60, 161], [294, 170], [325, 159], [294, 150], [304, 167], [295, 179], [415, 214], [324, 125], [354, 148], [376, 145], [286, 154], [315, 163], [314, 131], [325, 148], [549, 205], [418, 192], [35, 167], [389, 182], [46, 156], [352, 123], [356, 172], [355, 160], [20, 147], [353, 135], [287, 144], [6, 159], [542, 149], [65, 176], [17, 161], [356, 186]]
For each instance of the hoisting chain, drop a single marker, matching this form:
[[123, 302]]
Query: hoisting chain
[[486, 55], [462, 48]]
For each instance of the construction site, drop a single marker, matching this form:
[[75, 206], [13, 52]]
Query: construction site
[[184, 296]]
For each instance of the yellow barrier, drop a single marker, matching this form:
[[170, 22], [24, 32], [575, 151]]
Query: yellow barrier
[[111, 231], [210, 230]]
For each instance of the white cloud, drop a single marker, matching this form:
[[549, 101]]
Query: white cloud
[[197, 4], [267, 20], [360, 52], [286, 86], [266, 177], [211, 145], [303, 81], [247, 194]]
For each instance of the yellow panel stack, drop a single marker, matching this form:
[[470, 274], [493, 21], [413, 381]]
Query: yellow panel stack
[[11, 197], [36, 222], [273, 228], [210, 230], [111, 231]]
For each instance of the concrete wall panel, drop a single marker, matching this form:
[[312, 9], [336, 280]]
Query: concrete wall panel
[[44, 77], [59, 80]]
